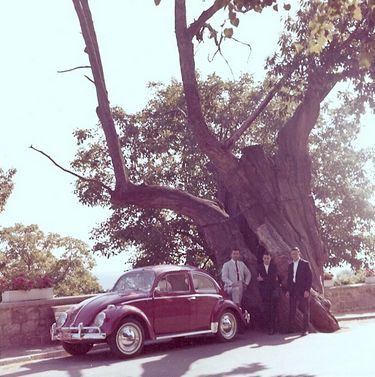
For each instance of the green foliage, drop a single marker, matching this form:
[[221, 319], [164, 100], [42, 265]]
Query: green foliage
[[157, 236], [159, 146], [6, 186], [347, 277], [67, 261], [342, 186], [161, 149], [326, 41]]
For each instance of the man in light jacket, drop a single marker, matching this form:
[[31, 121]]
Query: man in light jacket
[[236, 277]]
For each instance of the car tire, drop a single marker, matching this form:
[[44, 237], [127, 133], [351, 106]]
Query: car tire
[[128, 339], [227, 326], [77, 349]]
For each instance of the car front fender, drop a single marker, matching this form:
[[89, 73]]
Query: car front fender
[[116, 315]]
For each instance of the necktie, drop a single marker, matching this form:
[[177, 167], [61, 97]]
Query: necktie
[[237, 272]]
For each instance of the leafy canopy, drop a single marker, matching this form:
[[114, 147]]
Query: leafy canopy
[[6, 186], [161, 149], [67, 261]]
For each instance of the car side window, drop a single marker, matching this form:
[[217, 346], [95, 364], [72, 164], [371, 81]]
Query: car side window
[[203, 284], [173, 283], [164, 286]]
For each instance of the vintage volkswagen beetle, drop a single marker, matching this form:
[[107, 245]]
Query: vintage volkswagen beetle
[[149, 304]]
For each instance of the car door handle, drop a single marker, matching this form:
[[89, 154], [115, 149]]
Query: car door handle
[[192, 298]]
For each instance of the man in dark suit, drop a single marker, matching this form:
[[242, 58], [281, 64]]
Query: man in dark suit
[[299, 286], [269, 289]]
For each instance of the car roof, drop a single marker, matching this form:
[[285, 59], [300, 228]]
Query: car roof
[[162, 268]]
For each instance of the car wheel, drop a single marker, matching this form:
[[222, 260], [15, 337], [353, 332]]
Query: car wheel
[[128, 339], [228, 326], [76, 349]]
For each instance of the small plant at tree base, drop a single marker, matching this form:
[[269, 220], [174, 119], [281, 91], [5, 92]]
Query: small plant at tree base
[[327, 275]]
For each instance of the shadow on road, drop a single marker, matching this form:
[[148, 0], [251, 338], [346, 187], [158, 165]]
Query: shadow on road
[[207, 347], [169, 359]]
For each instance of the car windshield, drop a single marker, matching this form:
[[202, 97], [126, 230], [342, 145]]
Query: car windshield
[[140, 280]]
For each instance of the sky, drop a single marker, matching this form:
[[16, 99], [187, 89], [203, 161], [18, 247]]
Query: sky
[[41, 107]]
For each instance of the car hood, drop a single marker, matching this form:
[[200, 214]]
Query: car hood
[[87, 310]]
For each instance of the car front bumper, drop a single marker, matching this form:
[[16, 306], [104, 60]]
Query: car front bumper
[[79, 332]]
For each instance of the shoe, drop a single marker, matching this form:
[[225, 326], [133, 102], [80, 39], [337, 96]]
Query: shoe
[[304, 333], [246, 316]]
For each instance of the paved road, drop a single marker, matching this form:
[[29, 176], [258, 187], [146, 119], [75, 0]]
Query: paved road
[[348, 352]]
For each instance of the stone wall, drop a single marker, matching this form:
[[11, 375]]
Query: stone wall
[[351, 298], [28, 322]]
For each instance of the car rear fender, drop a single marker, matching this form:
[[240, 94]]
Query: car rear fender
[[128, 311]]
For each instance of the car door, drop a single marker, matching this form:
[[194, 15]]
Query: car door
[[206, 296], [172, 304]]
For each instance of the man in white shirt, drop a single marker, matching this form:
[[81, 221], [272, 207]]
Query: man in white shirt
[[299, 286], [236, 276]]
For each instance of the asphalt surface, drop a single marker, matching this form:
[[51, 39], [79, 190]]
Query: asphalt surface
[[348, 352]]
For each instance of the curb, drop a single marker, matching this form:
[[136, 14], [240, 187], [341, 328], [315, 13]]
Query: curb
[[352, 317], [35, 356], [51, 354]]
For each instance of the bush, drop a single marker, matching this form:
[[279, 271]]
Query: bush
[[347, 277], [369, 272], [327, 275], [24, 283]]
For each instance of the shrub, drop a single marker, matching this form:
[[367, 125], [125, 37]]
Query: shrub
[[347, 277], [25, 283], [327, 275]]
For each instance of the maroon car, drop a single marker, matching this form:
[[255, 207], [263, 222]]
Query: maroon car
[[150, 303]]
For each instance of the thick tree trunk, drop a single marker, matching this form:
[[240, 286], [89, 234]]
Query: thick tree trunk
[[273, 213]]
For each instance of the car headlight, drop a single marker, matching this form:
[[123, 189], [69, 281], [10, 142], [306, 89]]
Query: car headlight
[[99, 319], [61, 320]]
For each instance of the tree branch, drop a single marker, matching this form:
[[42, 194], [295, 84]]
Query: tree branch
[[230, 143], [73, 173], [103, 109], [90, 79], [202, 211], [293, 136], [73, 69], [221, 157], [197, 25]]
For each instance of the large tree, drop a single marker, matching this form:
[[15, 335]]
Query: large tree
[[265, 192]]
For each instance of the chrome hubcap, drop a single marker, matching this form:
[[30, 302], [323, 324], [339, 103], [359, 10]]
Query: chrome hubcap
[[228, 326], [129, 338]]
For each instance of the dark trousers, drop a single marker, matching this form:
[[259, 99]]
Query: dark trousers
[[304, 305], [270, 313]]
